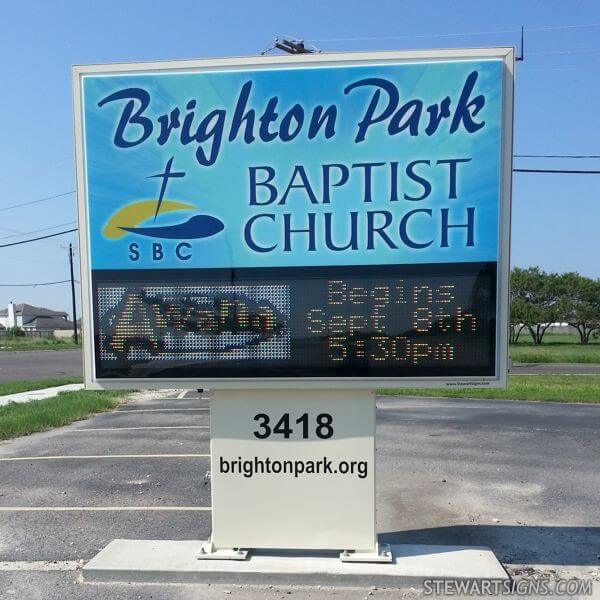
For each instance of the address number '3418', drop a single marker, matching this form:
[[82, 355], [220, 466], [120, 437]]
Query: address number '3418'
[[323, 426]]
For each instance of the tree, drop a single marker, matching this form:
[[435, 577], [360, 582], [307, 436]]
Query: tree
[[581, 304], [536, 299], [517, 313]]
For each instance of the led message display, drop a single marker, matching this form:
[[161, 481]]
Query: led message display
[[331, 217], [360, 321]]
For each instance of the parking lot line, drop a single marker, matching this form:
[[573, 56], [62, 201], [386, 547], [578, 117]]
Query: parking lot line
[[103, 508], [136, 428], [101, 456]]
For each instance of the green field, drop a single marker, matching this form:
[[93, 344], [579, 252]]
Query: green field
[[547, 388], [17, 344], [14, 387], [41, 415], [555, 348]]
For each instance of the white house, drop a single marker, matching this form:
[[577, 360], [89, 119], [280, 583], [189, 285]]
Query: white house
[[33, 318]]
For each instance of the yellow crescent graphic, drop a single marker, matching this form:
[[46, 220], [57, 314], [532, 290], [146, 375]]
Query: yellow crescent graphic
[[138, 212]]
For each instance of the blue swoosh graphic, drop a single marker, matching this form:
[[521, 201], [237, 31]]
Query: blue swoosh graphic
[[199, 226]]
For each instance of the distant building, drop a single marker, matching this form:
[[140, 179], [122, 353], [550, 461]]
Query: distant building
[[33, 318]]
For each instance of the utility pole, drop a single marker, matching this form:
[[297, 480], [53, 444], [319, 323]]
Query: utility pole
[[521, 55], [75, 337]]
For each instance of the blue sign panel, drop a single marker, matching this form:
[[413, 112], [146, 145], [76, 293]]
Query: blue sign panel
[[222, 203]]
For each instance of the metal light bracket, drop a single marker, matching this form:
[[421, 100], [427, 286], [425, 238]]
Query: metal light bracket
[[209, 552], [381, 554]]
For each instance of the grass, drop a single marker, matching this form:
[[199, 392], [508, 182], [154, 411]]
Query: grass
[[555, 348], [548, 388], [14, 387], [29, 417], [19, 344]]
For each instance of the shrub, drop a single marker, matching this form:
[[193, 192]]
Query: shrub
[[13, 332]]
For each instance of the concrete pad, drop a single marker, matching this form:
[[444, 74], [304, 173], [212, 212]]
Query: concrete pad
[[40, 394], [154, 561]]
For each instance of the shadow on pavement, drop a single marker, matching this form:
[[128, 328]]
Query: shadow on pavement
[[513, 543]]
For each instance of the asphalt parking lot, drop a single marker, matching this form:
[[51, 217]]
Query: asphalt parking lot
[[522, 478], [40, 364]]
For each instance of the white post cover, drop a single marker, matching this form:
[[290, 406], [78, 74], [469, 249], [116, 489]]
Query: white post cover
[[293, 469]]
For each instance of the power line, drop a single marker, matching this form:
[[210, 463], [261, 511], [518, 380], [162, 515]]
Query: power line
[[559, 27], [38, 261], [556, 171], [35, 284], [37, 201], [43, 237], [408, 37], [458, 34], [40, 167], [4, 237], [557, 155], [531, 70], [556, 52]]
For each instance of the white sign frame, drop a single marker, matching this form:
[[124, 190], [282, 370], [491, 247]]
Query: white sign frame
[[507, 55]]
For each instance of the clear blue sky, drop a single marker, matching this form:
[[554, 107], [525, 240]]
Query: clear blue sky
[[556, 218]]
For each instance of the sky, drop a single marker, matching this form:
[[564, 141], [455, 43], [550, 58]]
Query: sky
[[555, 218]]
